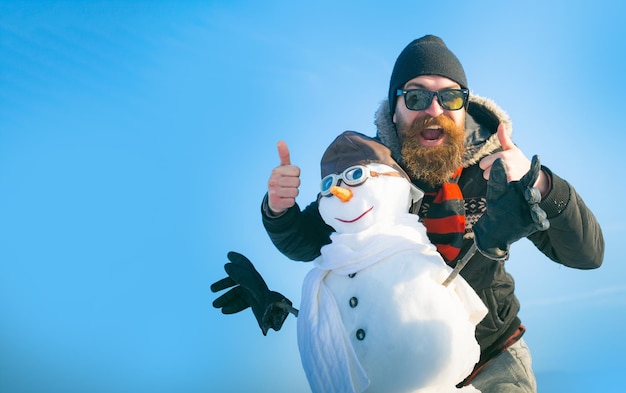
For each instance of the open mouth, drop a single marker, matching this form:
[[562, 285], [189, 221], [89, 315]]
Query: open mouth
[[432, 136], [358, 218]]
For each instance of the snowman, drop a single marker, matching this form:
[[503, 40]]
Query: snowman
[[374, 315]]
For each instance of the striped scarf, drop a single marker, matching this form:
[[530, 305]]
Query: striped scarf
[[443, 214]]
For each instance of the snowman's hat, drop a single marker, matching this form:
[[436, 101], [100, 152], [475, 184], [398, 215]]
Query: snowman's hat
[[353, 148]]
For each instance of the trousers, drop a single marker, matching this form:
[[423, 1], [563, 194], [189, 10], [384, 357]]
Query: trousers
[[509, 372]]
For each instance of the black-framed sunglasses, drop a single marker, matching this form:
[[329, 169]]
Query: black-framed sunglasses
[[420, 99]]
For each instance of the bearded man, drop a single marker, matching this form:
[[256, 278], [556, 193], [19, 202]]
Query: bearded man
[[450, 141]]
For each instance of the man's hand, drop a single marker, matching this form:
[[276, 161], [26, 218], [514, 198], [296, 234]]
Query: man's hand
[[282, 187], [515, 163], [512, 212]]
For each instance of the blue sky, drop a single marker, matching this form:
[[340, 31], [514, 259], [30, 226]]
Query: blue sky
[[137, 137]]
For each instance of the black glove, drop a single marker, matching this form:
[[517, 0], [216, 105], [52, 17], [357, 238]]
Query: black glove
[[512, 213], [249, 290]]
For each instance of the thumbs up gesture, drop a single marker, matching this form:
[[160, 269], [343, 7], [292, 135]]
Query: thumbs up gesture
[[515, 162], [282, 187]]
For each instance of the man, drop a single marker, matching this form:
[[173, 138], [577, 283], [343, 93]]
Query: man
[[449, 142]]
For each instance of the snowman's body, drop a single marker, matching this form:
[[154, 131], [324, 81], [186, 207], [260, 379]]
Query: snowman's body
[[374, 316], [407, 329]]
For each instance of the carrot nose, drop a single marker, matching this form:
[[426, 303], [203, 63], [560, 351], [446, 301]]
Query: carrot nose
[[344, 194]]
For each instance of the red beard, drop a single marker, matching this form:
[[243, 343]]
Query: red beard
[[433, 164]]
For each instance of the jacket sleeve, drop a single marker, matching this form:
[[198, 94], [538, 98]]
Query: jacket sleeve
[[297, 234], [574, 238]]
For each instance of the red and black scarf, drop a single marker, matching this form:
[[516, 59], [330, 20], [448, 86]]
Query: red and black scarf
[[443, 214]]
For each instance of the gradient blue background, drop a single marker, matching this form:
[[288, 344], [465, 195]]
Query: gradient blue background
[[137, 137]]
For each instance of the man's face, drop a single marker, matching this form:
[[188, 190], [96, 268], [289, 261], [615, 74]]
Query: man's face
[[432, 139]]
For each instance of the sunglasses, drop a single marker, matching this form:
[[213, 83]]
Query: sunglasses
[[352, 176], [420, 99]]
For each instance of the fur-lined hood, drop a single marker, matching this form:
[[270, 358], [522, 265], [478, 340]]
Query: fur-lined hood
[[481, 124]]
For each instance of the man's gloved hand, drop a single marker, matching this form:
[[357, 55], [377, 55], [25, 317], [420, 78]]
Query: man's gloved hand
[[249, 290], [512, 213]]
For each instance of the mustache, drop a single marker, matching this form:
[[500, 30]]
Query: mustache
[[420, 124]]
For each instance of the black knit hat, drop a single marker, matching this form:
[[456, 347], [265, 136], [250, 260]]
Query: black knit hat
[[353, 148], [428, 55]]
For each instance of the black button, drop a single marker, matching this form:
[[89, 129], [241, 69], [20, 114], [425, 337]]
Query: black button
[[353, 302], [360, 334], [351, 275]]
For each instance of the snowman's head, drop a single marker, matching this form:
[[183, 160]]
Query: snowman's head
[[362, 184], [362, 195]]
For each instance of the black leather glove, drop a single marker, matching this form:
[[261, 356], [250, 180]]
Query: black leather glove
[[249, 290], [512, 213]]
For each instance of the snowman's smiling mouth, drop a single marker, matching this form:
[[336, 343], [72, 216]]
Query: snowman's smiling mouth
[[358, 218]]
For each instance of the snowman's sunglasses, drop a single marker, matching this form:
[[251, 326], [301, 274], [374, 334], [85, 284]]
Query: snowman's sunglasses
[[352, 176]]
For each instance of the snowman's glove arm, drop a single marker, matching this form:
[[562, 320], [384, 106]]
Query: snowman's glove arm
[[248, 289], [512, 212]]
